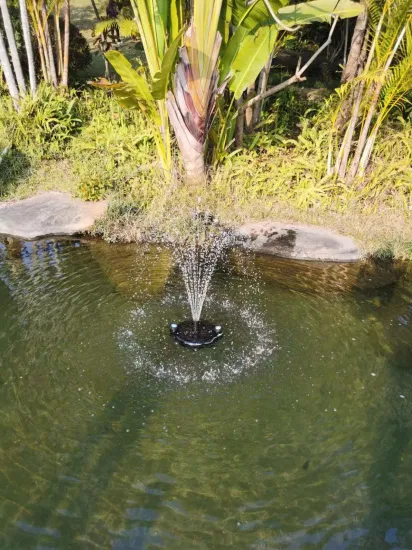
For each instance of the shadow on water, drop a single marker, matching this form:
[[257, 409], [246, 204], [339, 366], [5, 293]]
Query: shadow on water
[[390, 516], [71, 508], [86, 448], [388, 523]]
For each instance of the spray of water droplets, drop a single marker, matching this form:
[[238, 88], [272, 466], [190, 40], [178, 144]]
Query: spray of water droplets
[[197, 257]]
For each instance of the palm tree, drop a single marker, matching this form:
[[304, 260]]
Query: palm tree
[[65, 76], [8, 27], [8, 71], [382, 86], [27, 41]]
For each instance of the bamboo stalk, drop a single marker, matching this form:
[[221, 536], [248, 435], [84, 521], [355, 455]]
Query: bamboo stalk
[[8, 27], [44, 56], [53, 74], [8, 72], [59, 49], [65, 78], [28, 45]]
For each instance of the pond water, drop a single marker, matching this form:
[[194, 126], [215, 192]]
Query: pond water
[[293, 432]]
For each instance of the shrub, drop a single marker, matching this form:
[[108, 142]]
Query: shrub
[[115, 150], [44, 125]]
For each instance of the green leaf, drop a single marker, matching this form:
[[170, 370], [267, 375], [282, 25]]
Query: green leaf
[[231, 51], [251, 57], [128, 75], [161, 78], [319, 11], [254, 15], [225, 20], [175, 18]]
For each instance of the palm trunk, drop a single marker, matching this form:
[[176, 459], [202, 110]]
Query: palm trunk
[[59, 48], [352, 65], [8, 72], [8, 27], [192, 150], [65, 79], [262, 87], [29, 48], [250, 93], [240, 124], [52, 65]]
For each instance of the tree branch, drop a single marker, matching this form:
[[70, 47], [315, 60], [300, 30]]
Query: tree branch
[[297, 77]]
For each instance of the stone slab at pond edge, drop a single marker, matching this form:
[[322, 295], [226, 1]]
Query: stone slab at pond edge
[[299, 241], [51, 213]]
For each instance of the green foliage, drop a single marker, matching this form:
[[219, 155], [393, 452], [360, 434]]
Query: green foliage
[[318, 11], [127, 27], [294, 172], [45, 124], [114, 151], [251, 57]]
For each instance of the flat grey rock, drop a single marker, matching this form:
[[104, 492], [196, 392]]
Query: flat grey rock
[[47, 214], [298, 241]]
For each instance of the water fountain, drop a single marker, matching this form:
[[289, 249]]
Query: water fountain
[[197, 256]]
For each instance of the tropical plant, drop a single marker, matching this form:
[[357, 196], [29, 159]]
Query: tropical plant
[[209, 59], [382, 87]]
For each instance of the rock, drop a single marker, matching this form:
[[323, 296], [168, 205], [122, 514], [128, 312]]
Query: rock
[[47, 214], [298, 241]]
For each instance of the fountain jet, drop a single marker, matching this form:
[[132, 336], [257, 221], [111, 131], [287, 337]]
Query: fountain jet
[[197, 257]]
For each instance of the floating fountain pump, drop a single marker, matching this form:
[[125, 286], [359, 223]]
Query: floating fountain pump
[[196, 334]]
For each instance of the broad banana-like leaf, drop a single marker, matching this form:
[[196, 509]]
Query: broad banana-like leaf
[[255, 14], [130, 76], [231, 51], [319, 11], [126, 96], [161, 78], [255, 48], [152, 21], [175, 18], [225, 21], [252, 55]]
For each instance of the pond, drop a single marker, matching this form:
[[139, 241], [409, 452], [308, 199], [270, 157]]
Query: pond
[[293, 432]]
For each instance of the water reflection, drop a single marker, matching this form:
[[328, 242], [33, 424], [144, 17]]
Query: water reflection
[[307, 449]]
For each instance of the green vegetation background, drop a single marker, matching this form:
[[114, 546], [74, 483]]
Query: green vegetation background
[[86, 144]]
